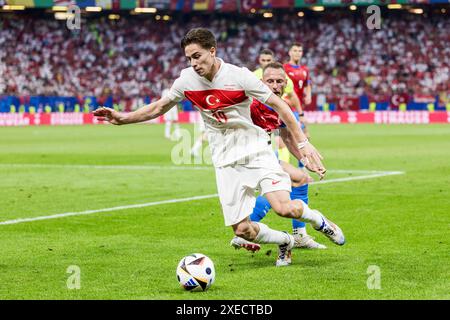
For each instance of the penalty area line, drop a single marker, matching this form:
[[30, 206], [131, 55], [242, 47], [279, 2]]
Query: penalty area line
[[155, 203], [363, 177], [133, 206]]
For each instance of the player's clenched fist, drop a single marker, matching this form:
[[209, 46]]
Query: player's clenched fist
[[108, 114]]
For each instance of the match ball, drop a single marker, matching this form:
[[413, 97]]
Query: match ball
[[196, 272]]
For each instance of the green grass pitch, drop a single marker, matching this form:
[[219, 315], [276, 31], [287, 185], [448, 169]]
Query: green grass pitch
[[398, 223]]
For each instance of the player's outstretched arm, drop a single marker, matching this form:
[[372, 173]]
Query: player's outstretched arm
[[145, 113], [311, 158], [290, 143], [305, 125], [295, 101]]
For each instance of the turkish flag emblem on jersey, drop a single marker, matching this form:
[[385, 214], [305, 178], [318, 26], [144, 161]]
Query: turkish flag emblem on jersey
[[215, 99]]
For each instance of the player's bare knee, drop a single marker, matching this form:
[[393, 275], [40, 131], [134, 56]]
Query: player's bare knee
[[297, 208], [286, 210], [243, 230]]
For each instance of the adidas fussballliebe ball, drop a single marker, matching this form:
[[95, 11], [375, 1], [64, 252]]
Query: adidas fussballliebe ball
[[195, 272]]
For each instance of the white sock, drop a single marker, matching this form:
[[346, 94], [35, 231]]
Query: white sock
[[267, 235], [299, 231], [311, 216], [167, 132]]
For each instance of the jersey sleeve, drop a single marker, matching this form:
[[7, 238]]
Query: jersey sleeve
[[254, 87], [176, 92]]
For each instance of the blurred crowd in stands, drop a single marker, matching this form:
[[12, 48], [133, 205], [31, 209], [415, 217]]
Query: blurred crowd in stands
[[135, 57]]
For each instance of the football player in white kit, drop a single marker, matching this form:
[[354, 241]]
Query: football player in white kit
[[243, 160]]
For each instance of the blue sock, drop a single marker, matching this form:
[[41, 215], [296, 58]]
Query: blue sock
[[300, 193], [262, 206]]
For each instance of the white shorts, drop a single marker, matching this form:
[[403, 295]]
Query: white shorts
[[172, 114], [237, 184]]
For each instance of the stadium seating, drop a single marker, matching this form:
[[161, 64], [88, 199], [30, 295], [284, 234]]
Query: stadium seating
[[123, 61]]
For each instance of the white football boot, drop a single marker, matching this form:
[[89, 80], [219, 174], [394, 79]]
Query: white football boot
[[331, 230], [238, 242], [307, 242], [284, 252]]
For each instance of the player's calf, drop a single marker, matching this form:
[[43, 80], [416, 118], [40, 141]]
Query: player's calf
[[264, 234], [322, 224], [297, 209]]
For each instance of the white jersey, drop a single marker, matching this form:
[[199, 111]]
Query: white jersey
[[224, 104], [165, 92]]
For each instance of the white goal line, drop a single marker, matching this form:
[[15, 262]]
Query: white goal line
[[375, 174]]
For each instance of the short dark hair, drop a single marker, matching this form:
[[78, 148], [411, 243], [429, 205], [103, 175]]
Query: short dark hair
[[267, 51], [296, 44], [273, 65], [201, 36]]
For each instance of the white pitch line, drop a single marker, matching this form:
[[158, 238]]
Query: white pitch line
[[364, 171], [371, 176], [141, 205], [103, 167], [149, 204]]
